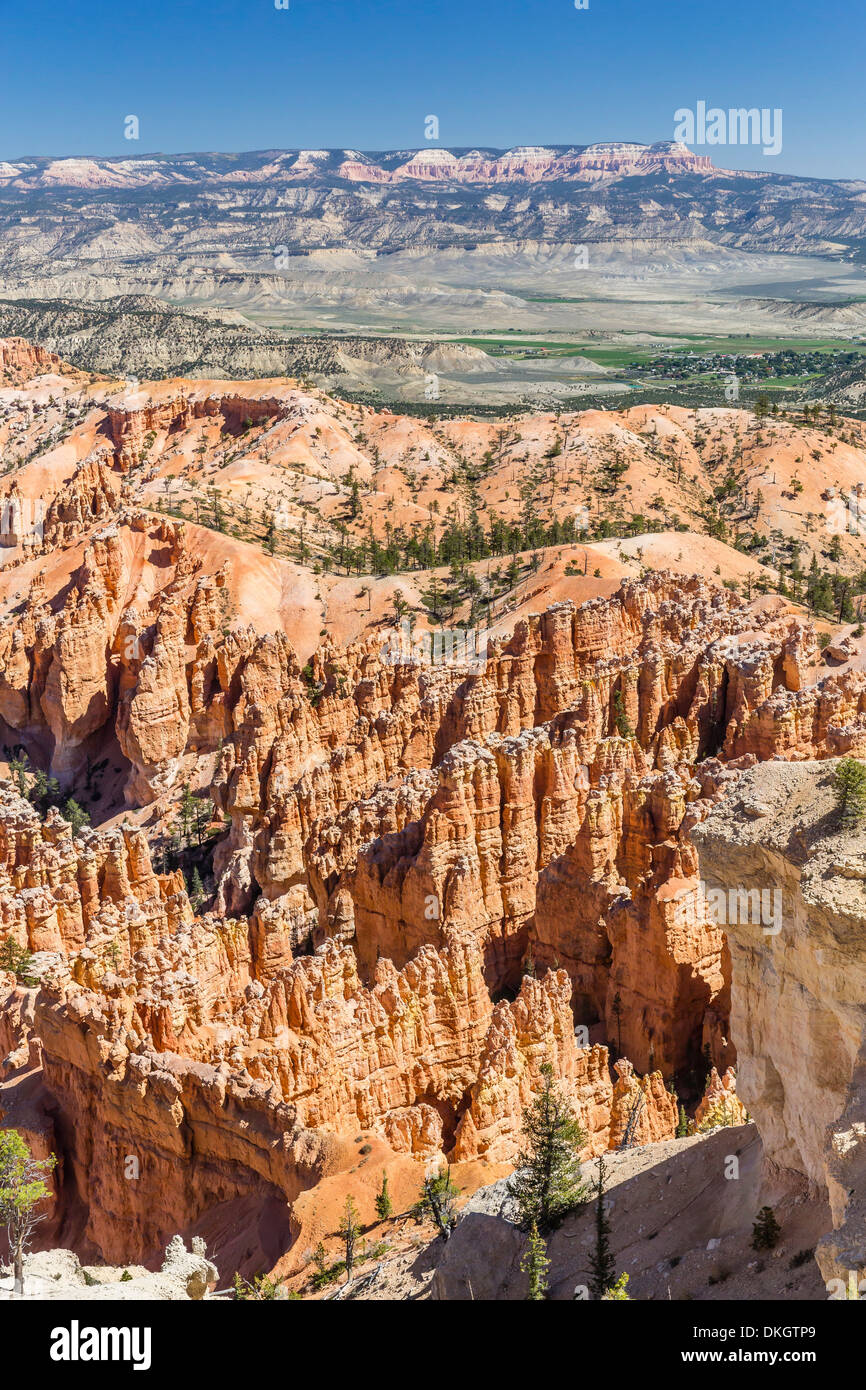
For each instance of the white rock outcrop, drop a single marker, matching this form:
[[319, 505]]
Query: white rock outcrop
[[797, 936], [58, 1274]]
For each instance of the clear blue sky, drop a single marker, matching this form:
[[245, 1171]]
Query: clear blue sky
[[241, 75]]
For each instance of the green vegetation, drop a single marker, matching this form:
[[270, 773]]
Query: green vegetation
[[384, 1205], [437, 1202], [329, 1272], [22, 1190], [547, 1184], [260, 1289], [43, 792], [766, 1230], [601, 1262], [18, 961], [349, 1231], [535, 1264], [195, 891], [188, 843], [825, 352], [623, 727], [849, 788], [76, 815], [618, 1291]]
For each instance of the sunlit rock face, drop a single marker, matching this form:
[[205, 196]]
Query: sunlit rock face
[[428, 884]]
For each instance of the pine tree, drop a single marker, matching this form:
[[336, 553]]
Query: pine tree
[[76, 815], [18, 770], [536, 1264], [44, 791], [437, 1200], [601, 1261], [384, 1205], [18, 961], [845, 608], [349, 1231], [196, 891], [202, 819], [682, 1124], [623, 727], [849, 786], [22, 1190], [547, 1183], [766, 1230]]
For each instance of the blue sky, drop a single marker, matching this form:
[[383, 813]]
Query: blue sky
[[241, 74]]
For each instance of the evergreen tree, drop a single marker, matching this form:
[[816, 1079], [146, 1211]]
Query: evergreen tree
[[601, 1261], [384, 1205], [44, 791], [849, 786], [437, 1200], [536, 1264], [76, 815], [349, 1231], [623, 727], [18, 961], [547, 1183], [18, 770], [766, 1230], [22, 1189], [844, 606], [682, 1124], [202, 819], [196, 890]]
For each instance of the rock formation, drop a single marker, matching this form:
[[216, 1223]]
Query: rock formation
[[59, 1275], [424, 878], [720, 1104], [795, 889], [416, 831]]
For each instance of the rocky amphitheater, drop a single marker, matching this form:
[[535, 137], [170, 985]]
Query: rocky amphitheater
[[416, 883]]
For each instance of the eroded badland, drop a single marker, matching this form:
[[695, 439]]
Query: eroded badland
[[305, 908]]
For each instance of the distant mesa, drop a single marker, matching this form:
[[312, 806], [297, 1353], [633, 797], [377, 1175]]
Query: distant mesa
[[524, 163]]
